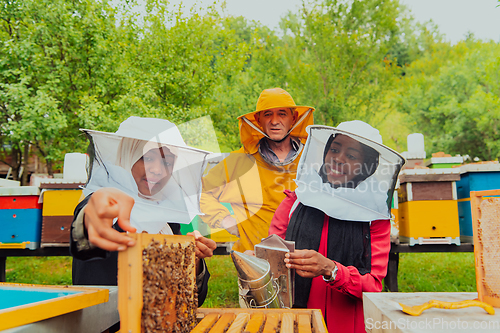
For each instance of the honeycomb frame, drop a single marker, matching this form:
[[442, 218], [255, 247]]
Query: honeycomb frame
[[157, 284], [486, 246]]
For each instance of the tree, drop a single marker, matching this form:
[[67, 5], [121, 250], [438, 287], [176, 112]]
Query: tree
[[86, 64], [453, 97], [338, 58], [266, 67], [55, 53]]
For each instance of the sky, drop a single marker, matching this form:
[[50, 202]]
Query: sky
[[455, 18]]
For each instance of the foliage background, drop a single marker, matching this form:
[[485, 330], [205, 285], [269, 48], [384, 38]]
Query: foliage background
[[66, 65]]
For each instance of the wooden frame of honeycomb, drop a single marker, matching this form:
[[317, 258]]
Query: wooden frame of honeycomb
[[260, 321], [485, 212], [157, 284]]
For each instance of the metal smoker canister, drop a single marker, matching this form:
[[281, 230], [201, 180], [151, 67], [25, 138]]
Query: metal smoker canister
[[254, 276]]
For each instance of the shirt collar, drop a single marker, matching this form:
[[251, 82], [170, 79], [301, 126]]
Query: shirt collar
[[270, 156]]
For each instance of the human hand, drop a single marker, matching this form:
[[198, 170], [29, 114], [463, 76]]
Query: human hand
[[205, 248], [103, 207], [309, 263], [229, 223]]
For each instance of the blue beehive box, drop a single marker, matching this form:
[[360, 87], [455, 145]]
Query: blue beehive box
[[20, 228], [474, 177], [20, 218]]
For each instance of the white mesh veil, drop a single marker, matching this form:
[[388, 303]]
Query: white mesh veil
[[148, 159], [347, 172]]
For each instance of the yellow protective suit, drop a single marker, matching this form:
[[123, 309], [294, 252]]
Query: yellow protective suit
[[252, 186]]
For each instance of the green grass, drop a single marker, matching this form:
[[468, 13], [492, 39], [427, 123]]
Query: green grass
[[223, 284], [38, 270], [418, 272], [433, 272]]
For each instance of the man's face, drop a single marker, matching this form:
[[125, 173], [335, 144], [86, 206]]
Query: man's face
[[276, 122]]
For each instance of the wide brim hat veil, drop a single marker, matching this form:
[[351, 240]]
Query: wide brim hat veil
[[250, 130], [368, 200], [178, 200]]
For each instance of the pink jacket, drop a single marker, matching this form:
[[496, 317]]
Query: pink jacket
[[341, 300]]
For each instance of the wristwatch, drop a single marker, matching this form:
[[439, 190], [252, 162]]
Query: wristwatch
[[334, 275]]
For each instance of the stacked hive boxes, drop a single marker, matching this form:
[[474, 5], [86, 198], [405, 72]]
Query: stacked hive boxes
[[474, 177], [428, 211], [20, 217], [59, 202]]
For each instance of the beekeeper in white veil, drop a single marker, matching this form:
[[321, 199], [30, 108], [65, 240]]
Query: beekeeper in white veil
[[362, 182], [148, 160], [338, 218], [143, 177]]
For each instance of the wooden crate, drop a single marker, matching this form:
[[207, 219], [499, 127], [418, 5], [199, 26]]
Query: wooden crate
[[260, 320], [416, 191], [146, 298], [428, 210]]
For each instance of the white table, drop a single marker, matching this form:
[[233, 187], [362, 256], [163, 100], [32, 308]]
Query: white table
[[382, 315]]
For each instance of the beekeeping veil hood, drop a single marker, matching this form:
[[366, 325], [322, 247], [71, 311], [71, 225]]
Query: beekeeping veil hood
[[357, 186], [250, 130], [148, 160]]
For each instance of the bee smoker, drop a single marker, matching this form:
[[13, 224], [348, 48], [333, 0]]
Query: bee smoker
[[265, 281], [273, 249], [258, 288]]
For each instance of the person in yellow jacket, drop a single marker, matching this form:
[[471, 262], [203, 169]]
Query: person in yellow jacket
[[253, 178]]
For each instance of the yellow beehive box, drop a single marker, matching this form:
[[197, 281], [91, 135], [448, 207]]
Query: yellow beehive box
[[429, 219], [60, 202]]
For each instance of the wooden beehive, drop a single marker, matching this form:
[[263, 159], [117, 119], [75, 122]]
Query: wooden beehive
[[59, 202], [260, 320], [157, 284], [428, 212], [20, 217]]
